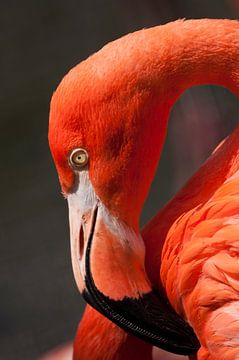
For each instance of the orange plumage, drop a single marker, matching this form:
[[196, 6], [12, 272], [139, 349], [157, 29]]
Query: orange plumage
[[116, 105]]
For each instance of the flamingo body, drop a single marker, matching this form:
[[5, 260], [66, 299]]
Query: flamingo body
[[207, 259]]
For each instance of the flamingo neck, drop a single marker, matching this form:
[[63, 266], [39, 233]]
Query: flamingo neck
[[97, 337], [175, 57], [160, 64]]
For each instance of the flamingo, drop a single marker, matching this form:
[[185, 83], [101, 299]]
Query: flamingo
[[176, 285]]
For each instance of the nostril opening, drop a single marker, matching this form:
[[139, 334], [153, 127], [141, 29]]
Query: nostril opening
[[81, 241]]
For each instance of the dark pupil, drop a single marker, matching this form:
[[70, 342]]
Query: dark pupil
[[80, 158]]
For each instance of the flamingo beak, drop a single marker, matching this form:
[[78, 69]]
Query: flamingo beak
[[108, 265]]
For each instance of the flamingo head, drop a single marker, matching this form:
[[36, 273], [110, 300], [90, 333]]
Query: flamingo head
[[106, 152]]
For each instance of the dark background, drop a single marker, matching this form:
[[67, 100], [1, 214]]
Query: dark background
[[40, 41]]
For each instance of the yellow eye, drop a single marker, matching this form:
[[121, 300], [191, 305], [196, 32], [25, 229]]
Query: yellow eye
[[79, 158]]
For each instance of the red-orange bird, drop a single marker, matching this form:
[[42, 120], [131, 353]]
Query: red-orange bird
[[108, 121]]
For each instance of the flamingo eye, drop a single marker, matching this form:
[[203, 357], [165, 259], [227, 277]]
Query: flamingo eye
[[79, 158]]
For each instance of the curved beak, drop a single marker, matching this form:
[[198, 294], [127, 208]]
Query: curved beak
[[108, 264]]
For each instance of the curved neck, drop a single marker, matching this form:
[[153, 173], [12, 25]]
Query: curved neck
[[200, 52], [154, 67], [175, 57]]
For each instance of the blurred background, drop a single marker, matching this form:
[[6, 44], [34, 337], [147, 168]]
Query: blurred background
[[40, 306]]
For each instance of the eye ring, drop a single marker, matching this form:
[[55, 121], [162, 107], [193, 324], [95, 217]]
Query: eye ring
[[79, 158]]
